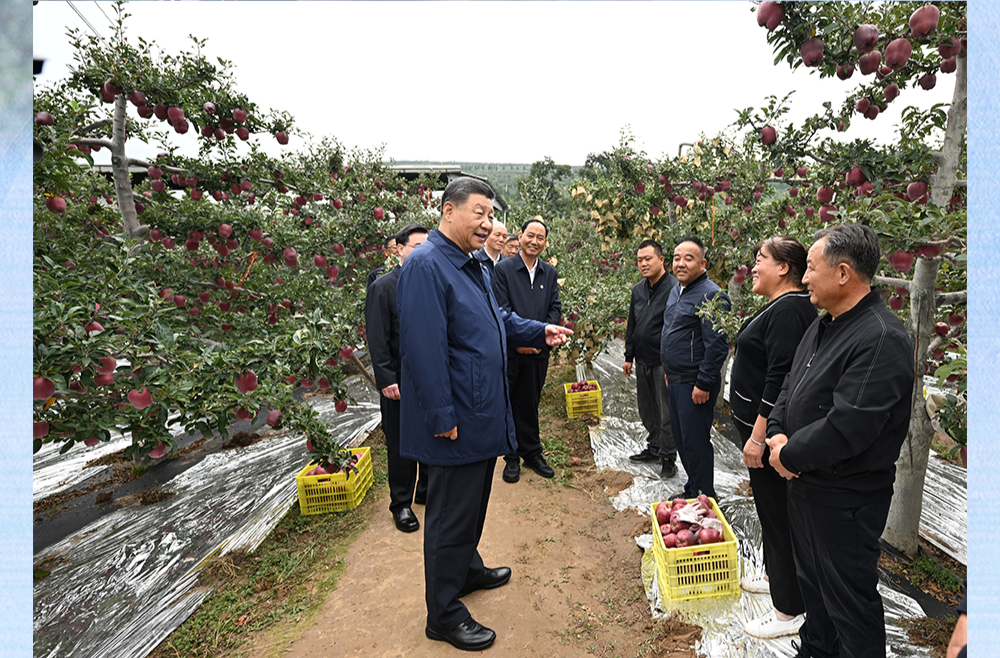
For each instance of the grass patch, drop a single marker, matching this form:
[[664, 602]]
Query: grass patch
[[287, 578], [929, 632], [925, 572], [947, 452]]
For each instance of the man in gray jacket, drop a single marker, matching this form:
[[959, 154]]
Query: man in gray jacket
[[642, 347]]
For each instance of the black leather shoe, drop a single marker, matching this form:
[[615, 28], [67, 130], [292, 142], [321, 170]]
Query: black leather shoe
[[512, 472], [470, 635], [539, 465], [405, 520], [491, 579], [668, 470]]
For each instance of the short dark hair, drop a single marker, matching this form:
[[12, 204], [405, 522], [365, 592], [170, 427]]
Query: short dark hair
[[388, 239], [459, 190], [854, 244], [784, 249], [657, 248], [691, 238], [403, 235], [511, 238], [535, 220]]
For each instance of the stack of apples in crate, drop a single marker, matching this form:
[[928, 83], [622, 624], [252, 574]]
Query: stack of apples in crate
[[579, 387], [684, 523]]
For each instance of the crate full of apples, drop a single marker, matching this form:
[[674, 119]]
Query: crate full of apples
[[335, 490], [694, 549], [583, 397]]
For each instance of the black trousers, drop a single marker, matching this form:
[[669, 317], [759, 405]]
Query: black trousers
[[526, 378], [453, 526], [836, 559], [402, 471], [770, 497], [692, 425]]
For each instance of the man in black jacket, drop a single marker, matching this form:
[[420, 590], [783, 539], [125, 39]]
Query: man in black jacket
[[642, 346], [382, 323], [388, 249], [526, 285], [835, 432]]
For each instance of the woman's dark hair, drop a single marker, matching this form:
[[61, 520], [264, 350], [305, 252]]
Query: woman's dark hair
[[784, 249]]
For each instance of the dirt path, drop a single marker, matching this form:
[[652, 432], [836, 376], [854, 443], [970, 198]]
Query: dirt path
[[575, 589]]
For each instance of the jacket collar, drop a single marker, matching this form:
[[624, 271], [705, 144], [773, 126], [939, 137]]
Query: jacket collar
[[702, 277], [521, 265], [456, 256], [869, 300]]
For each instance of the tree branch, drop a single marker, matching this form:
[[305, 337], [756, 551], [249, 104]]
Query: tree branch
[[952, 298], [90, 141], [95, 126], [892, 281]]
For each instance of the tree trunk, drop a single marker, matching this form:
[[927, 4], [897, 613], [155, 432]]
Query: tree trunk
[[119, 169], [903, 525]]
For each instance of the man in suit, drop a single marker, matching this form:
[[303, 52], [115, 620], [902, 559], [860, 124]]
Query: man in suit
[[492, 251], [526, 285], [389, 248], [382, 322], [455, 406], [511, 246]]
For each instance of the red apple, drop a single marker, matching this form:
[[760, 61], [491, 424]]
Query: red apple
[[927, 81], [901, 261], [941, 328], [346, 353], [950, 48], [891, 92], [917, 191], [158, 185], [239, 115], [104, 380], [924, 21], [40, 430], [44, 119], [91, 441], [340, 406], [862, 105], [319, 261], [812, 52], [824, 195], [43, 388], [107, 365], [844, 72], [175, 114], [379, 213], [824, 213], [281, 137], [56, 204], [895, 302], [137, 98], [770, 14], [273, 418], [158, 451], [856, 176], [949, 65], [869, 63], [897, 53], [768, 136], [338, 204], [246, 382], [140, 399], [865, 38]]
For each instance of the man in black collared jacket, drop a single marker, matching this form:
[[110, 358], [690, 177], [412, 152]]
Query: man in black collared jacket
[[836, 431], [526, 285], [382, 325], [642, 346]]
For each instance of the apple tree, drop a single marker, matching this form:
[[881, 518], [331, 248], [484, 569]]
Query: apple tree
[[910, 190], [217, 284]]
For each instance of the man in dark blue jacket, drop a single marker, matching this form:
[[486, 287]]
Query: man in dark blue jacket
[[382, 329], [836, 431], [692, 352], [642, 346], [455, 401], [527, 285]]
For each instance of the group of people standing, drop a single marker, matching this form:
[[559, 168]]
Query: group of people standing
[[460, 337], [822, 405]]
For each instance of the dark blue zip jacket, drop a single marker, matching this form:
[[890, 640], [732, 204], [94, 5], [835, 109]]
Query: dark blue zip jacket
[[691, 350], [452, 346]]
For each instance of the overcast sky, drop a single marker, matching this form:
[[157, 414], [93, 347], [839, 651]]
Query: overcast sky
[[485, 82]]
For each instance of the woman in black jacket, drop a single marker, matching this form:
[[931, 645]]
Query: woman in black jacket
[[765, 346]]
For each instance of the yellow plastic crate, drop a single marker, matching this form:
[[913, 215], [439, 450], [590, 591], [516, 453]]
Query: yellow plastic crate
[[335, 492], [583, 402], [697, 572]]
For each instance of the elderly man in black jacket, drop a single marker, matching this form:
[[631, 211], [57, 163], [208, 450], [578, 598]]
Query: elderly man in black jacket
[[492, 251], [382, 324], [836, 431], [642, 347], [526, 285]]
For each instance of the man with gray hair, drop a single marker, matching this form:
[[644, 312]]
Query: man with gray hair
[[835, 432], [455, 401], [492, 251]]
